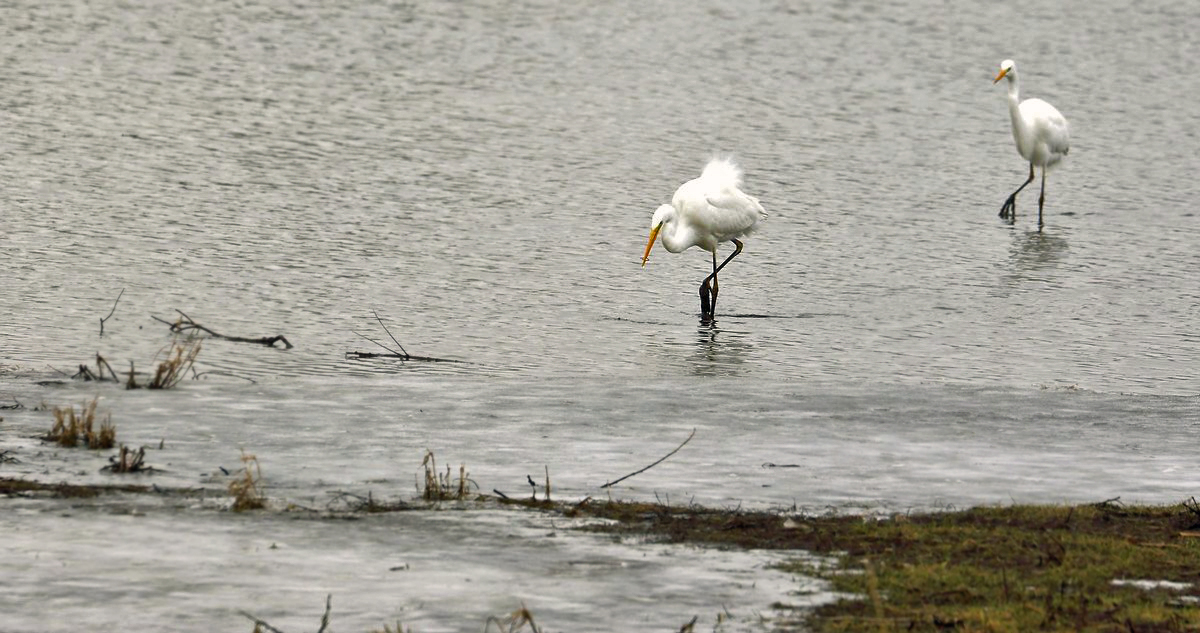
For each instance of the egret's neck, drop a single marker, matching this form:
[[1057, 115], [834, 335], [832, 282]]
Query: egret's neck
[[1014, 103], [676, 238]]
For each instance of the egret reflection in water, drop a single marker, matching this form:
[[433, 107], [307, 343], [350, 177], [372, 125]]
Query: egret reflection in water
[[1034, 253], [719, 352]]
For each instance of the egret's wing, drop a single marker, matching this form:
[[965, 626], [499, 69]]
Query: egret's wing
[[732, 213], [1049, 124], [1058, 135]]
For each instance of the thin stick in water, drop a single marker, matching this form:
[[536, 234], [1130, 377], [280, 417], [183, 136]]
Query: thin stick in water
[[661, 460], [110, 312], [389, 333]]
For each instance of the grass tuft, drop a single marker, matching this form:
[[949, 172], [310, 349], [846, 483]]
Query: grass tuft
[[69, 428], [387, 629], [247, 487], [513, 622], [988, 569], [441, 486], [128, 461], [179, 358]]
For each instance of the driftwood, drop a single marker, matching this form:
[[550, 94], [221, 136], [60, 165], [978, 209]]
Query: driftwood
[[661, 460], [391, 353], [185, 324]]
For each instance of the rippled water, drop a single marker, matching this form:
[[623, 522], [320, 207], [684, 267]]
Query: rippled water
[[482, 175]]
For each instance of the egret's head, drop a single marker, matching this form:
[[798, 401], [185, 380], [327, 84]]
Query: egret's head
[[662, 215], [1007, 67]]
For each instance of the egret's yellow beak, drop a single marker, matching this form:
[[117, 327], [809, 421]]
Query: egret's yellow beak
[[1003, 72], [649, 245]]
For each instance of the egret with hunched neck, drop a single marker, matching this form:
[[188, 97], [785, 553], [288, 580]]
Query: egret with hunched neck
[[704, 212]]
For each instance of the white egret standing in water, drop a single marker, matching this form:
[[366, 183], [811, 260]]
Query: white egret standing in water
[[705, 212], [1041, 132]]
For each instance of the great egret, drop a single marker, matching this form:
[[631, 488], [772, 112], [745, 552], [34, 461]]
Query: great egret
[[704, 212], [1042, 134]]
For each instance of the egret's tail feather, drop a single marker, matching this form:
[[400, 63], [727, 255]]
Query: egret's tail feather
[[724, 171]]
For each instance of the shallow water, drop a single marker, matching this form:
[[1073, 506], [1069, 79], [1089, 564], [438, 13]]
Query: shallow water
[[481, 175]]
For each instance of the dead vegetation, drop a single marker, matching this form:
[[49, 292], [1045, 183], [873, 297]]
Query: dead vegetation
[[247, 486], [128, 461], [178, 359], [513, 622], [440, 486], [261, 626], [185, 325], [343, 501], [400, 354], [71, 428], [387, 629], [26, 488]]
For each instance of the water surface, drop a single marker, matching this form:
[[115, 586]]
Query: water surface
[[481, 175]]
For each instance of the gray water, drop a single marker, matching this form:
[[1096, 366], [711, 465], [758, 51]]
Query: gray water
[[481, 175]]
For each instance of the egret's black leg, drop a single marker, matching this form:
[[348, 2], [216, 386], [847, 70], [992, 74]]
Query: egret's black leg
[[1009, 210], [714, 283], [738, 244], [716, 269], [1041, 199], [708, 294]]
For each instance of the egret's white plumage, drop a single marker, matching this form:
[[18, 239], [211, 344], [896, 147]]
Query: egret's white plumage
[[704, 212], [1041, 132]]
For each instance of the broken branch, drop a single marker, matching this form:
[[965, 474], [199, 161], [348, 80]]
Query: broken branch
[[391, 353], [661, 460], [110, 312], [186, 324]]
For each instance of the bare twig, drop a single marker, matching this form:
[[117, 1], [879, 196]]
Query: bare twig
[[661, 460], [425, 359], [260, 623], [185, 324], [403, 355], [325, 618], [110, 312], [128, 461], [389, 333], [86, 373], [101, 363], [512, 623]]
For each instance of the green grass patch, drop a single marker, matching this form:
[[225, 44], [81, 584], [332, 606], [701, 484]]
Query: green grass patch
[[993, 569]]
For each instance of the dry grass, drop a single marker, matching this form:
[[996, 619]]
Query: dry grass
[[440, 486], [128, 461], [513, 622], [399, 629], [178, 360], [247, 488], [69, 428]]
